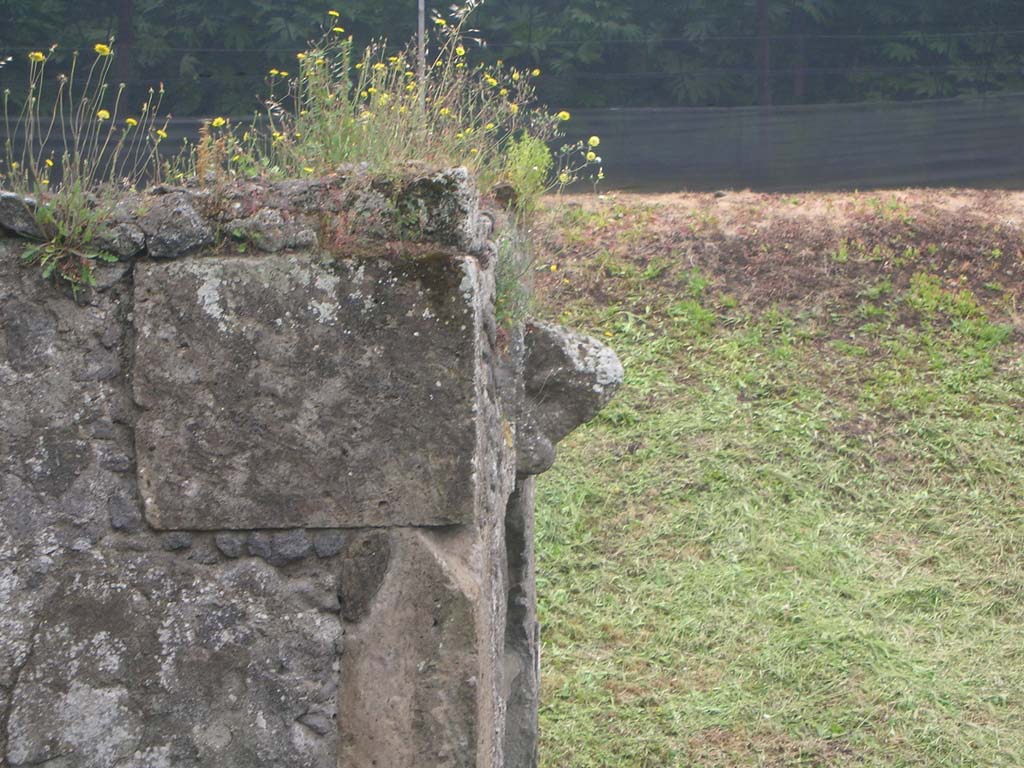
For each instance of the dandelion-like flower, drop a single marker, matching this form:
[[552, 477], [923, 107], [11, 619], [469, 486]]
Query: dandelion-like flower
[[218, 122], [563, 177], [490, 81], [102, 115], [131, 122], [591, 157], [275, 72], [49, 163], [283, 73], [460, 51], [594, 141], [379, 66], [338, 30], [102, 49], [536, 73], [441, 22], [513, 108], [300, 56], [161, 133], [564, 116], [444, 112], [334, 14], [36, 56]]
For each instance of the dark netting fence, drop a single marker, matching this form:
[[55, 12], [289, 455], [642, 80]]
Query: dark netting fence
[[965, 142]]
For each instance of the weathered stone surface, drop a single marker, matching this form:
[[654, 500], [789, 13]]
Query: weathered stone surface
[[280, 548], [363, 568], [173, 227], [569, 379], [522, 632], [63, 393], [148, 660], [231, 543], [405, 702], [271, 230], [304, 391], [208, 465], [17, 214], [328, 543]]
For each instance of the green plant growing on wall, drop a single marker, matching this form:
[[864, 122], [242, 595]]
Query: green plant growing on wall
[[81, 149]]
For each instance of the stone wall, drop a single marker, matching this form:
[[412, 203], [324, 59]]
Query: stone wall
[[266, 491]]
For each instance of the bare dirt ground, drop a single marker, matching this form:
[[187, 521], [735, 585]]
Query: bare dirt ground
[[815, 252]]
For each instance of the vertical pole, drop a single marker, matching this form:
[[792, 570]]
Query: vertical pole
[[421, 74], [765, 55]]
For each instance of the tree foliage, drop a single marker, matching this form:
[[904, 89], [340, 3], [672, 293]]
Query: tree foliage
[[214, 56]]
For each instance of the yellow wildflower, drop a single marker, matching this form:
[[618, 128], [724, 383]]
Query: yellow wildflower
[[161, 133], [392, 59], [102, 115], [411, 87], [536, 73], [474, 151], [379, 66], [49, 163], [460, 65], [320, 62], [564, 116], [44, 182], [300, 56], [490, 81], [235, 158], [563, 177], [441, 22], [36, 56], [385, 98], [102, 50], [489, 127], [364, 94], [14, 166], [218, 122], [460, 51], [371, 90], [131, 122], [410, 73], [591, 157], [554, 267], [513, 108], [600, 174], [516, 76], [594, 141], [444, 112], [335, 14], [503, 92], [338, 30], [274, 72], [284, 73], [307, 169], [359, 65]]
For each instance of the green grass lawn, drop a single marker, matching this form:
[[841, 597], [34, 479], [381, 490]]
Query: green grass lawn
[[796, 537]]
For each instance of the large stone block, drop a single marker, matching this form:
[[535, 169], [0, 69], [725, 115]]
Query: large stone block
[[149, 661], [410, 675], [304, 391]]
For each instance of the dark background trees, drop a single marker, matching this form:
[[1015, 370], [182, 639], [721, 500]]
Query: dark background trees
[[214, 57]]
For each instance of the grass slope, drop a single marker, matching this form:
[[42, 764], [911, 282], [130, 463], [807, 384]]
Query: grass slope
[[796, 538]]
